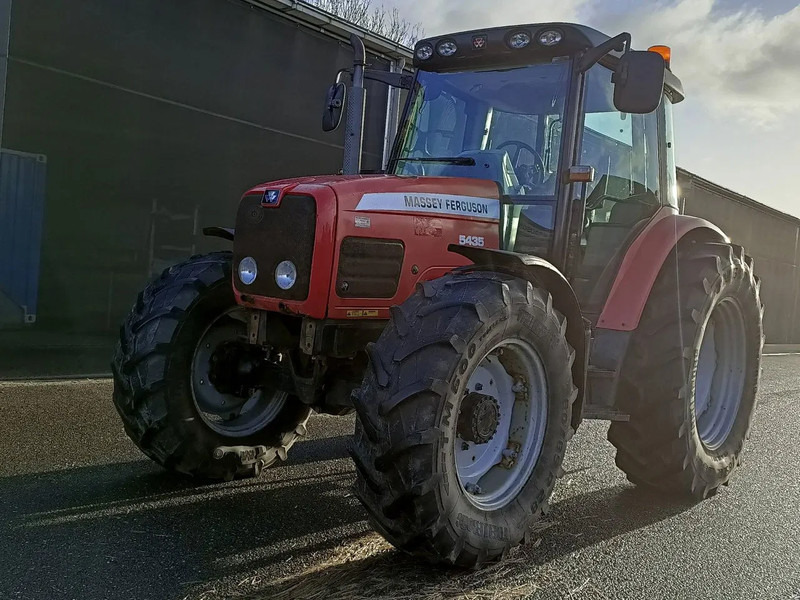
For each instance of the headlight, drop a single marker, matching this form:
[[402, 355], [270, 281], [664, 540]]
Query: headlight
[[447, 48], [424, 52], [549, 38], [248, 270], [285, 274]]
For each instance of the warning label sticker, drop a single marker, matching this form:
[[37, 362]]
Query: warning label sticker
[[362, 313]]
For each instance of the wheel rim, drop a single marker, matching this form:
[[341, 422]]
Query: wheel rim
[[719, 382], [492, 473], [226, 413]]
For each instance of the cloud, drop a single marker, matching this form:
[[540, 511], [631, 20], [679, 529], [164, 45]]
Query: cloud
[[443, 16], [743, 63], [738, 61]]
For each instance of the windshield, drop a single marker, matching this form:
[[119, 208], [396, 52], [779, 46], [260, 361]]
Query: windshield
[[503, 125]]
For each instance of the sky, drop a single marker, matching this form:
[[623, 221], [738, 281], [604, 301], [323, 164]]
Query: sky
[[739, 61]]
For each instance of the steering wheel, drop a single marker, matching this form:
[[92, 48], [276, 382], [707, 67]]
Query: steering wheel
[[537, 176]]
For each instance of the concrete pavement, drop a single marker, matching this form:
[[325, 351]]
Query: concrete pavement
[[84, 515]]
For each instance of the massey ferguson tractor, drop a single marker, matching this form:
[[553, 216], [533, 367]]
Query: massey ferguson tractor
[[521, 265]]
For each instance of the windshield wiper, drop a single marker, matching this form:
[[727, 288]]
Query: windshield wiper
[[466, 161]]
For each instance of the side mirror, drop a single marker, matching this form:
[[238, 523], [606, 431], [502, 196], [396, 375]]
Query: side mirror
[[334, 105], [639, 82]]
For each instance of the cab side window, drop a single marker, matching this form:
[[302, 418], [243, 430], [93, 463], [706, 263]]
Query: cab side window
[[623, 149], [625, 193]]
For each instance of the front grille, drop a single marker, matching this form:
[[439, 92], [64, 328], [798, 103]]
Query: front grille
[[369, 267], [273, 234]]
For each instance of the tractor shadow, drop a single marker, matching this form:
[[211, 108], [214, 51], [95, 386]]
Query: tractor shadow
[[373, 569], [133, 530], [130, 530]]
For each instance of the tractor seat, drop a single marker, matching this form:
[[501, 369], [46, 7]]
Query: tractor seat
[[494, 165], [629, 212], [605, 247]]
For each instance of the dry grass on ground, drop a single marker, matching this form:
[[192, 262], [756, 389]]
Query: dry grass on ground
[[369, 568]]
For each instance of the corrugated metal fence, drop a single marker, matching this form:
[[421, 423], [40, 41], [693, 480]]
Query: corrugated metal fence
[[769, 236]]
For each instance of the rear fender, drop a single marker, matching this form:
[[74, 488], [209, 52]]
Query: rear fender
[[643, 262], [543, 274]]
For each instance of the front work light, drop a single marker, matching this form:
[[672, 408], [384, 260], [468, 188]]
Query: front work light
[[446, 48], [424, 52], [550, 37], [285, 274], [518, 40]]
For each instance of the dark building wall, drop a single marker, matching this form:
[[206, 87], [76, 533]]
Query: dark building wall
[[769, 236], [154, 117]]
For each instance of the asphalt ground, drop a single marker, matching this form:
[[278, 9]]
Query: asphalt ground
[[83, 515]]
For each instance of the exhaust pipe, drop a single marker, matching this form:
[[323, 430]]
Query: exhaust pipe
[[354, 133]]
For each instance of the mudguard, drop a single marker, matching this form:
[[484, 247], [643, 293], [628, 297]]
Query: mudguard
[[544, 274], [642, 264]]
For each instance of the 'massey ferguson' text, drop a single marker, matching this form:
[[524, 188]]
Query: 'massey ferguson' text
[[447, 205]]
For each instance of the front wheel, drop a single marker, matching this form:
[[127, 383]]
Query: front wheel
[[189, 388], [464, 417]]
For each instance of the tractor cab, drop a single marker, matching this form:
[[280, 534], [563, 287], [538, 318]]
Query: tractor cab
[[575, 129]]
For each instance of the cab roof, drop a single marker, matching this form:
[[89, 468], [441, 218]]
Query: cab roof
[[490, 47]]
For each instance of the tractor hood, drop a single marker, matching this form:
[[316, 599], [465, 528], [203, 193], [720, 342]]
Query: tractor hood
[[446, 196], [305, 223]]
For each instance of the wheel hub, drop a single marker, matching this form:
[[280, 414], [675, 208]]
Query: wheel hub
[[231, 380], [236, 368], [478, 419]]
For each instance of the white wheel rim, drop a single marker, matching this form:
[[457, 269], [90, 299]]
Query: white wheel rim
[[493, 473], [720, 375]]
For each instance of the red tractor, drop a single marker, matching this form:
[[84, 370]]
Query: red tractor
[[520, 266]]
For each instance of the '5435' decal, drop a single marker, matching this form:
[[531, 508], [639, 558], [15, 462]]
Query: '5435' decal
[[470, 240]]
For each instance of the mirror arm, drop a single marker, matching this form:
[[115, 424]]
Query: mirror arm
[[398, 80], [620, 43]]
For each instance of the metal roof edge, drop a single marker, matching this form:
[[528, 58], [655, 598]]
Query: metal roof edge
[[324, 22], [737, 197]]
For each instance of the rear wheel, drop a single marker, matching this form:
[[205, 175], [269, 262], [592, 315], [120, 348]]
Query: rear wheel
[[692, 374], [463, 417], [189, 388]]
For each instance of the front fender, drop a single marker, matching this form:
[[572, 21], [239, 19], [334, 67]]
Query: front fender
[[225, 233], [543, 274]]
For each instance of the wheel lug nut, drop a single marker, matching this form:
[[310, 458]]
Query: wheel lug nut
[[472, 488]]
